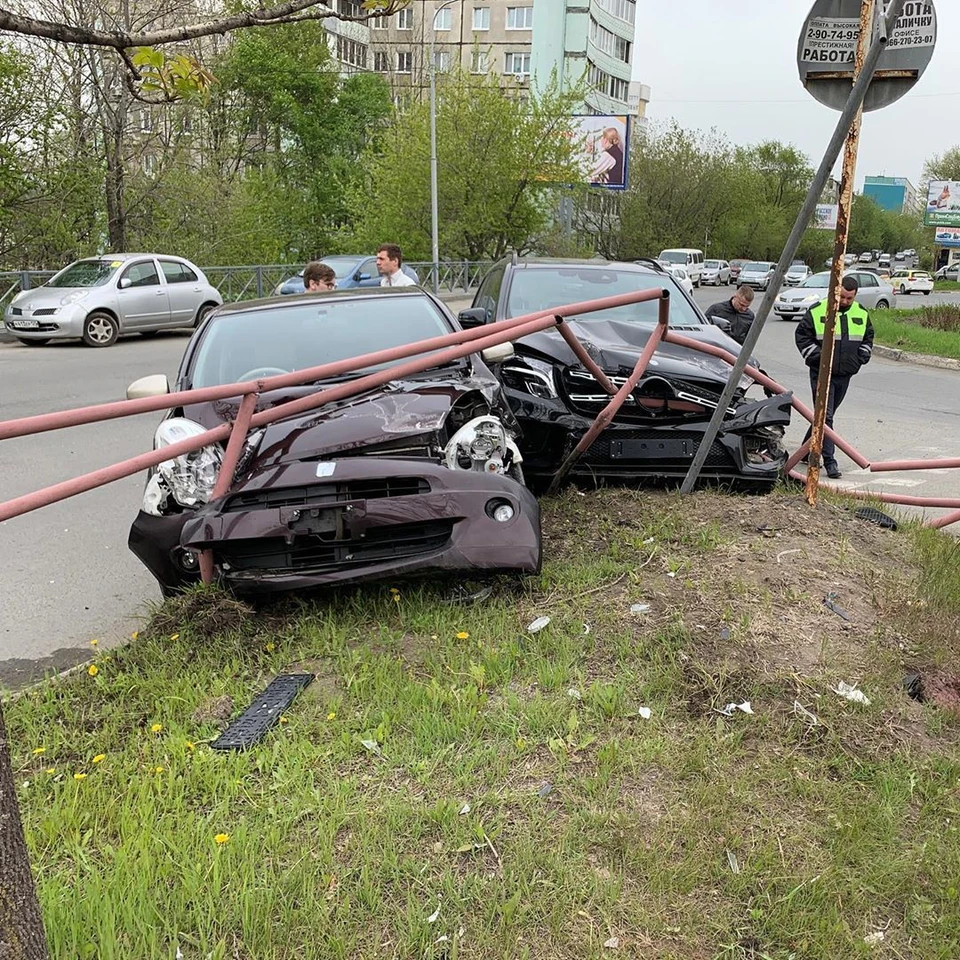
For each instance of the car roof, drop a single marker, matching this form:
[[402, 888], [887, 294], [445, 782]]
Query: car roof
[[132, 256], [547, 262], [356, 293]]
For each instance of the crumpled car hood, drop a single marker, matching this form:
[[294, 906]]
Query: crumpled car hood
[[398, 411], [616, 344]]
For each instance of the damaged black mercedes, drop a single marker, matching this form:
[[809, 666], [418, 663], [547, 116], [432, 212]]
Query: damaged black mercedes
[[422, 474], [658, 430]]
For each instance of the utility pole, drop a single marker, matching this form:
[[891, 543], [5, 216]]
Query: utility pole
[[434, 213]]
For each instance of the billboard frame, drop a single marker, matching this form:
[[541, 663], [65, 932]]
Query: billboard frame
[[935, 215], [598, 124]]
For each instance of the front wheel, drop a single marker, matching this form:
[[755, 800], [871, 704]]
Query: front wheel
[[903, 289], [100, 330], [882, 305]]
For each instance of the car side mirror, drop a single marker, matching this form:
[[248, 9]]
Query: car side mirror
[[361, 276], [474, 317], [125, 282], [499, 353], [154, 385]]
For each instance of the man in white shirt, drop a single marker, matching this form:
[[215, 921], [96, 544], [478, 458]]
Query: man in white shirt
[[389, 259]]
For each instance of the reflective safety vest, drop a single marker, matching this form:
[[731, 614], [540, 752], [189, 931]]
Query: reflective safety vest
[[856, 320]]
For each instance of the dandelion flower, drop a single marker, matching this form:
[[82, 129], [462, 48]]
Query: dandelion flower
[[396, 598], [51, 769], [190, 745], [331, 715], [222, 838], [135, 634], [38, 750], [156, 728], [99, 758], [93, 643], [158, 769], [79, 776], [93, 670], [283, 719], [394, 591], [463, 635], [174, 636], [270, 647]]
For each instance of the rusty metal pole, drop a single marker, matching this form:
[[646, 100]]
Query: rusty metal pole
[[844, 205]]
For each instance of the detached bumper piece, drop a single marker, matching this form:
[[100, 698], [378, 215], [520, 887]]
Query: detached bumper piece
[[263, 713], [313, 523]]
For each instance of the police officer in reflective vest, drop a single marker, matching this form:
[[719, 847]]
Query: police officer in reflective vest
[[852, 348]]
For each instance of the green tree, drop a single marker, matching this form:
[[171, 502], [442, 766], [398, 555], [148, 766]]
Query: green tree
[[943, 166], [497, 157]]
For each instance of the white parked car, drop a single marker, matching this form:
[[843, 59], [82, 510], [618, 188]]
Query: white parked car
[[796, 274], [912, 281], [757, 273], [874, 294], [681, 276], [715, 273], [98, 299]]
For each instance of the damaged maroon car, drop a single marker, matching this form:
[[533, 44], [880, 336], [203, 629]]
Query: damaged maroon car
[[418, 476]]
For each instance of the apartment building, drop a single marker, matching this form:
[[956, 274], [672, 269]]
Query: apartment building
[[481, 36], [592, 41]]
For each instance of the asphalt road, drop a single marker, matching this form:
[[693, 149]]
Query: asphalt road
[[69, 578]]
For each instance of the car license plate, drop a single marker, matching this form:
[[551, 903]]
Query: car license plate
[[665, 449], [786, 308], [25, 324]]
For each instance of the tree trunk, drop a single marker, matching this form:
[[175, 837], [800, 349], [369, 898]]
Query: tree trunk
[[22, 936]]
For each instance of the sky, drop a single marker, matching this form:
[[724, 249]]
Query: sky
[[734, 67]]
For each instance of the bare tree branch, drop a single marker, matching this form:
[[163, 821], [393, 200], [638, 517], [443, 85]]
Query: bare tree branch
[[290, 11]]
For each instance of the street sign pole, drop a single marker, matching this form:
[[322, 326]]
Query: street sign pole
[[837, 267]]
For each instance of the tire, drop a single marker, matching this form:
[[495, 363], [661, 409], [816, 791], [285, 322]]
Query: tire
[[202, 313], [903, 290], [927, 293], [34, 343], [100, 330], [882, 305]]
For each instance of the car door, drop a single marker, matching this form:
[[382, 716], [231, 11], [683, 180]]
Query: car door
[[366, 274], [143, 301], [869, 292], [183, 290], [488, 295]]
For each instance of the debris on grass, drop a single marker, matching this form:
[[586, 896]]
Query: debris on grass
[[612, 944], [545, 791], [371, 746], [465, 809], [728, 710], [874, 939], [733, 862], [913, 686], [828, 602], [435, 915], [462, 593], [872, 515], [645, 712], [538, 624], [211, 613], [801, 711], [639, 608], [574, 694], [850, 692]]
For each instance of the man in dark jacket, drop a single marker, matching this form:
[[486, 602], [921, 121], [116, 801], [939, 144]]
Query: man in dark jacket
[[852, 348], [734, 316]]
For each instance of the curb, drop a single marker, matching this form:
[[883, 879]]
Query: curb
[[921, 359]]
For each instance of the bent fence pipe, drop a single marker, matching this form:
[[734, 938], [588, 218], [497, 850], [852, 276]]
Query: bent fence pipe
[[903, 499], [126, 468], [123, 408]]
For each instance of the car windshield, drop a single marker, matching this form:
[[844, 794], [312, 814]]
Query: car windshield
[[342, 266], [673, 256], [750, 267], [85, 273], [541, 288], [817, 280], [297, 336], [712, 264]]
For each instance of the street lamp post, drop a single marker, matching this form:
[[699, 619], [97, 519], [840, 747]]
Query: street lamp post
[[434, 216]]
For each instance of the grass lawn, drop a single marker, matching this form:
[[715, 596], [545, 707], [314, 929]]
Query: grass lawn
[[455, 786], [946, 286], [892, 329]]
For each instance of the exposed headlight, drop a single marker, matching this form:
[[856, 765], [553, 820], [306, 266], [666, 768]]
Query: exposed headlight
[[530, 375], [69, 298], [500, 510], [191, 476], [479, 445]]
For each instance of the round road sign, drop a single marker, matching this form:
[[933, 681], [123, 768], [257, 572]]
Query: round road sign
[[828, 43]]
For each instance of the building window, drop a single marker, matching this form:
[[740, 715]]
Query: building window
[[404, 61], [351, 8], [519, 18], [619, 89], [481, 18], [379, 23], [351, 52], [610, 86], [146, 121], [611, 44], [441, 60], [149, 164], [381, 62], [517, 64], [441, 20], [405, 19], [481, 61], [625, 10]]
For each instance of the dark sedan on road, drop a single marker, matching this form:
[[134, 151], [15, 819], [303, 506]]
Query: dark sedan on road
[[658, 430], [420, 475], [352, 270]]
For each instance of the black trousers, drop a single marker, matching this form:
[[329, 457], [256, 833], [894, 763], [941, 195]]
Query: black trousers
[[838, 390]]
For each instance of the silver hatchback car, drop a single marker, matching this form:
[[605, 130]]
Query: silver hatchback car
[[99, 298], [874, 294]]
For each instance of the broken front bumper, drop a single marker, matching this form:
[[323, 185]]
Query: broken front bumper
[[308, 524]]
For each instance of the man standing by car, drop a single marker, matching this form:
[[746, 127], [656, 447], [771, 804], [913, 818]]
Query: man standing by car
[[734, 316], [852, 348], [389, 261], [318, 277]]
